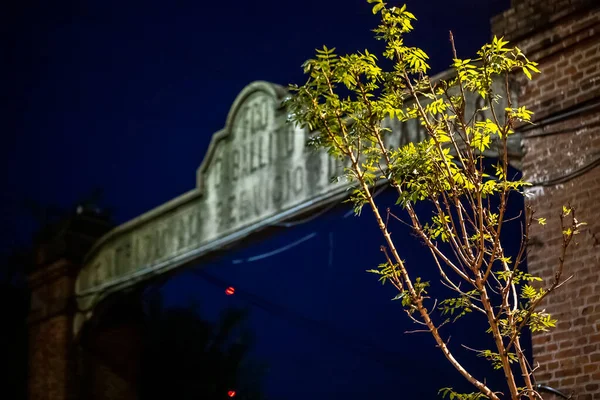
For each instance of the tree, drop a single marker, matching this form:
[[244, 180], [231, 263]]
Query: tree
[[343, 104]]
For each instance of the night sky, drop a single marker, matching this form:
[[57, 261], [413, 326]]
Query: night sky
[[124, 96]]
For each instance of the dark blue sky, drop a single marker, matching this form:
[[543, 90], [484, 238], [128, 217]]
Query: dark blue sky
[[125, 96]]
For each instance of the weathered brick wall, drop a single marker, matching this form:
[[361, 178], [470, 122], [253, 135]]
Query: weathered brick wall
[[51, 359], [54, 365], [562, 157], [110, 356]]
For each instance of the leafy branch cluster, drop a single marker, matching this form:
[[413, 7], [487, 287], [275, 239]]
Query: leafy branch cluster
[[343, 103]]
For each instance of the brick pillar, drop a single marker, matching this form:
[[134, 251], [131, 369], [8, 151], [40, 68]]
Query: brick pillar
[[562, 155], [53, 364], [51, 361], [112, 346]]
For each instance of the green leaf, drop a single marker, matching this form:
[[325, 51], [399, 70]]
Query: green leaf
[[378, 7], [399, 296], [529, 292], [532, 66]]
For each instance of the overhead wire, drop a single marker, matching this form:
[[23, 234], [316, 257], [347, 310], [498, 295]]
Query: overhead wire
[[572, 175], [580, 109], [562, 131], [312, 217], [276, 251], [562, 116]]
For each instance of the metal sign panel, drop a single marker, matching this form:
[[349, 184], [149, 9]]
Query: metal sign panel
[[257, 172]]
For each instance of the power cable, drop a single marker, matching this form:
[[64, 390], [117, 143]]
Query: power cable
[[309, 218], [572, 175], [548, 389], [562, 131], [582, 108], [276, 251], [325, 210]]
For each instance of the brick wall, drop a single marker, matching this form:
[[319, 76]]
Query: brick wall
[[54, 372], [562, 157], [101, 366], [51, 348]]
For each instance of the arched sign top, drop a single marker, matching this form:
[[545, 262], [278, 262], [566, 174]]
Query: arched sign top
[[274, 91], [253, 108]]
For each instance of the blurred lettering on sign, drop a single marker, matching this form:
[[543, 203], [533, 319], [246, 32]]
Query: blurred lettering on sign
[[257, 171]]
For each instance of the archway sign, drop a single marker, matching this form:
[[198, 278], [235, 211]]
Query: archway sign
[[257, 172]]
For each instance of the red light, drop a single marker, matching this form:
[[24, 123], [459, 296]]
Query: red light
[[231, 393], [229, 291]]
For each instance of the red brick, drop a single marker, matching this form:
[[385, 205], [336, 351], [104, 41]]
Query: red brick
[[590, 368], [592, 387], [567, 382], [582, 379]]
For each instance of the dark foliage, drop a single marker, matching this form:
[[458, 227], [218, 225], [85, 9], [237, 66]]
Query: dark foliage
[[186, 357]]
